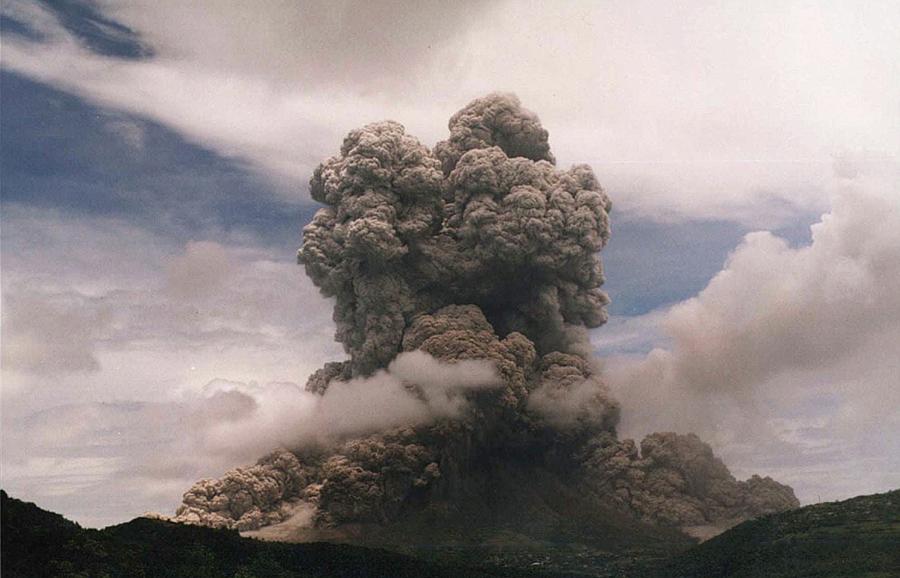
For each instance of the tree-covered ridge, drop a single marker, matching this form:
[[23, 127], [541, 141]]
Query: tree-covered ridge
[[853, 538], [37, 543], [856, 537]]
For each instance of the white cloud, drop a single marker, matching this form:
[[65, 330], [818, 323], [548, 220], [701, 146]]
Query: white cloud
[[77, 455], [415, 388], [131, 132], [99, 308], [687, 111], [623, 335], [790, 356]]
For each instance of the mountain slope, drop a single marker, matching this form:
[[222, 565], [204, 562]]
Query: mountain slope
[[512, 515], [36, 543], [856, 537]]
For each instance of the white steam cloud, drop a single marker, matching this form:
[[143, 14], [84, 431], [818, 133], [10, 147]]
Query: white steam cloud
[[415, 389], [781, 329]]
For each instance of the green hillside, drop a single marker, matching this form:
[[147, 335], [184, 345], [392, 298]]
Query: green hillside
[[36, 543], [856, 537]]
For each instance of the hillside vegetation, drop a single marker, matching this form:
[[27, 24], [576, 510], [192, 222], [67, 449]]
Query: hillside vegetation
[[856, 537], [859, 537], [36, 543]]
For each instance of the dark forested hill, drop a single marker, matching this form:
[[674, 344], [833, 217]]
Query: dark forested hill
[[40, 543], [857, 537]]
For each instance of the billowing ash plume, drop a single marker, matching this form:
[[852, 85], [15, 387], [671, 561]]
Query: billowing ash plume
[[676, 480], [486, 219], [481, 249]]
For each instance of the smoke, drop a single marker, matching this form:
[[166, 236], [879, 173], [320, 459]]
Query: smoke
[[415, 388], [787, 346], [464, 280], [569, 391], [676, 480], [486, 219]]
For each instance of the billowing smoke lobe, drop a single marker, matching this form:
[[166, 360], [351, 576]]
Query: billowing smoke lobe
[[486, 219], [479, 250]]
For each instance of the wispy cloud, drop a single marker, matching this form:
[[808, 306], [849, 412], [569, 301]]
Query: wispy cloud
[[728, 112], [111, 335], [98, 305]]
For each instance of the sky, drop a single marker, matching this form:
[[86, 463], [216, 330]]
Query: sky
[[154, 160]]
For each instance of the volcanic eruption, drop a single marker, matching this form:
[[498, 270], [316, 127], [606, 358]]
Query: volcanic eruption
[[475, 266]]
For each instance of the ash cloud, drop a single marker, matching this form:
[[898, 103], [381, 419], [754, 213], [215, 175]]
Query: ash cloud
[[486, 219], [464, 280]]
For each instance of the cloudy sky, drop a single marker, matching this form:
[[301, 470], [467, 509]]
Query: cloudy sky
[[155, 158]]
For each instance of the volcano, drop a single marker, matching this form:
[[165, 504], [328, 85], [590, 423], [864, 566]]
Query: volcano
[[480, 251]]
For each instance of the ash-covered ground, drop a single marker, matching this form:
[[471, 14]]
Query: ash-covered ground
[[464, 279]]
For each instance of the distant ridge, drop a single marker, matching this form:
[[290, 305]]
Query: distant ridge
[[37, 543], [858, 537], [855, 537]]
